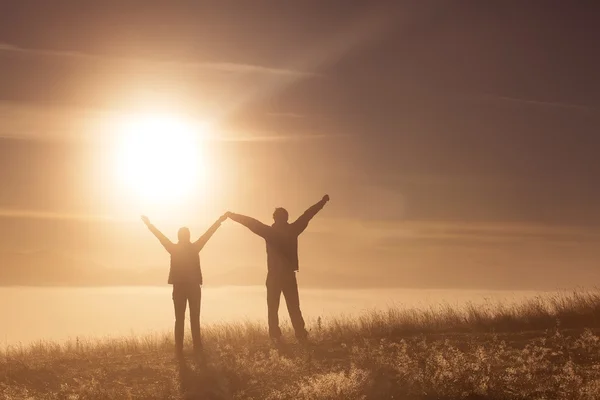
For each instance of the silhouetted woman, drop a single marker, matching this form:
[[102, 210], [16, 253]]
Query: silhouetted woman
[[186, 277]]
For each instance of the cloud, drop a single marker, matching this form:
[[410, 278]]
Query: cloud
[[259, 137], [457, 233], [30, 121], [539, 103], [36, 121], [210, 66], [290, 115], [48, 267], [37, 214]]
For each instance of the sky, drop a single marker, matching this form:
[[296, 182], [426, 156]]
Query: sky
[[457, 139]]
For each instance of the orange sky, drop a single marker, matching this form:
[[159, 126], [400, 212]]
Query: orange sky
[[458, 145]]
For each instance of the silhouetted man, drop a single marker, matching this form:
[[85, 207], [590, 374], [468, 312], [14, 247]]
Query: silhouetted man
[[282, 262], [186, 277]]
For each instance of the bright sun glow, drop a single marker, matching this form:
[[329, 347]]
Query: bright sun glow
[[159, 158]]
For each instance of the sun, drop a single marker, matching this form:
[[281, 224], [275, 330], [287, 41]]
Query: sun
[[159, 158]]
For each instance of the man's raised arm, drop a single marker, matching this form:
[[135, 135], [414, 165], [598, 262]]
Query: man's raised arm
[[253, 224], [302, 222], [167, 244], [208, 234]]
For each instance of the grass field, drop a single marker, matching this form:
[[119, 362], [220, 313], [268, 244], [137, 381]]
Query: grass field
[[546, 348]]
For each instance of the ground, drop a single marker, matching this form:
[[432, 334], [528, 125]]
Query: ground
[[548, 348]]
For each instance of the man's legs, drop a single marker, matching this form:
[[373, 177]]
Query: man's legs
[[194, 297], [292, 300], [273, 298], [179, 302]]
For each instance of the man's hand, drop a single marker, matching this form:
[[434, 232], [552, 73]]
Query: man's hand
[[326, 198], [227, 214], [146, 220]]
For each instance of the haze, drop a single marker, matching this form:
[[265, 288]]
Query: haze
[[458, 143]]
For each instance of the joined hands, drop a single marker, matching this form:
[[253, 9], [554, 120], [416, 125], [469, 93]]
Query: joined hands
[[223, 217]]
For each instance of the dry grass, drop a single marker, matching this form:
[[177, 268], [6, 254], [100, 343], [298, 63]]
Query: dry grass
[[546, 348]]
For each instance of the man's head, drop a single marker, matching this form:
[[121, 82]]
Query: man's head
[[280, 215], [183, 234]]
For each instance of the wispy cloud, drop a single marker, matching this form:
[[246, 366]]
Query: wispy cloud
[[210, 66], [276, 138], [27, 121], [36, 214], [539, 103], [395, 233], [289, 115]]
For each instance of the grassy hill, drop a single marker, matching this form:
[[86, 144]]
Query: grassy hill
[[547, 348]]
